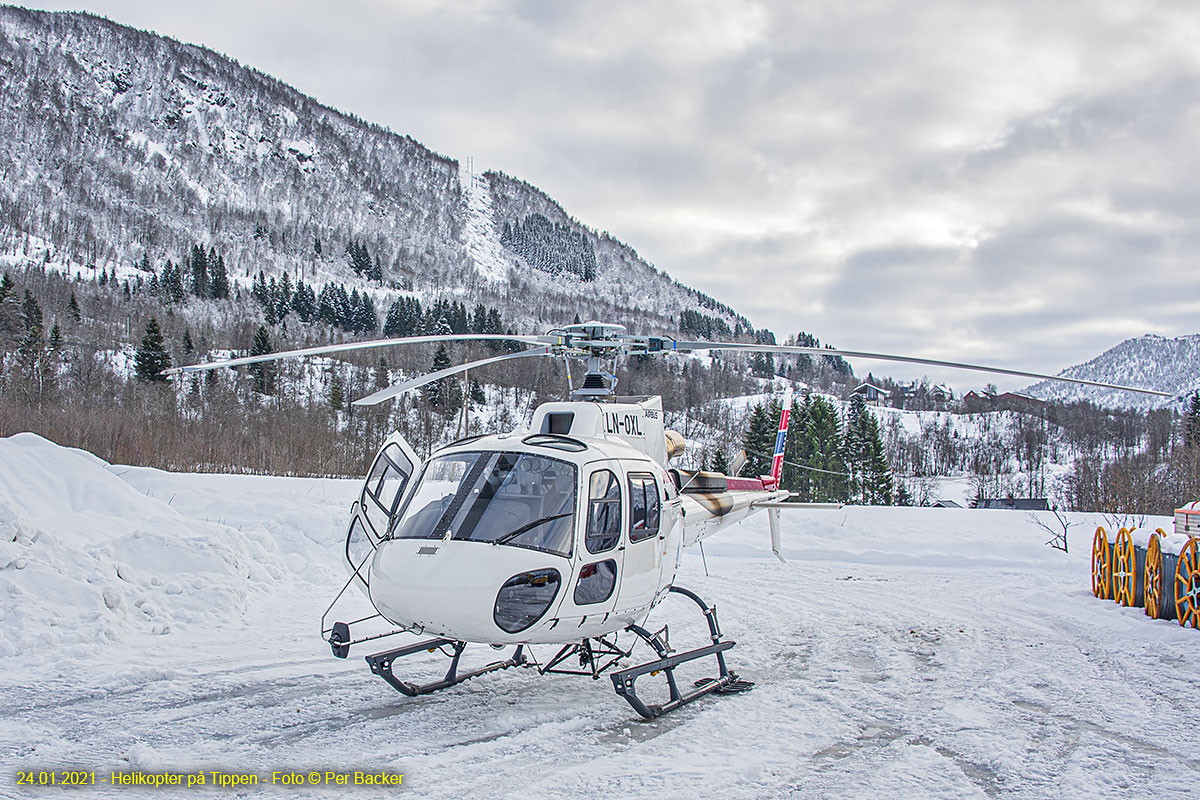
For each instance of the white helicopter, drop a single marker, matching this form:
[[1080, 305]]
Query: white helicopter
[[567, 533]]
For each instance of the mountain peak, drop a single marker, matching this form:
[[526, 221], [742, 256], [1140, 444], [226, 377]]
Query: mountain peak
[[1151, 361]]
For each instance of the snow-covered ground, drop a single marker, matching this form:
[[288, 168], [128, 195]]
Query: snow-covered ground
[[158, 621]]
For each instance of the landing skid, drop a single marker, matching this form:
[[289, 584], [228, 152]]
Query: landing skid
[[381, 665], [594, 656], [726, 682]]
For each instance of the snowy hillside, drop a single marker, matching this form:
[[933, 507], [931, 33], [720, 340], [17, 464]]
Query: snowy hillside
[[1149, 362], [160, 621], [118, 145]]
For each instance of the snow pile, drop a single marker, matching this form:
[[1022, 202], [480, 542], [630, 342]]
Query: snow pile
[[87, 558]]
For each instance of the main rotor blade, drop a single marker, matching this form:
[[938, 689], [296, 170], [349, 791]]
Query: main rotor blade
[[822, 351], [401, 388], [349, 346]]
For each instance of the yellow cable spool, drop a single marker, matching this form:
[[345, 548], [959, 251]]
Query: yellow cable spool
[[1124, 569], [1187, 585], [1101, 565], [1153, 580]]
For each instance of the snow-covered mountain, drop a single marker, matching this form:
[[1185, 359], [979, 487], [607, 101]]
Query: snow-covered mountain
[[1149, 362], [118, 145]]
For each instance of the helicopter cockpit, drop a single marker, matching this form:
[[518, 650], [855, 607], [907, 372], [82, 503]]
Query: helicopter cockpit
[[517, 499]]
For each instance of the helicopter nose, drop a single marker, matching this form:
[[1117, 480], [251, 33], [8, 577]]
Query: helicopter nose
[[470, 591]]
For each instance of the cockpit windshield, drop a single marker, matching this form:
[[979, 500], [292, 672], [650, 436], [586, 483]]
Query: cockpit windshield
[[515, 499]]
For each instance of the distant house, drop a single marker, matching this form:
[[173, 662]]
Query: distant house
[[973, 402], [1014, 503], [946, 504], [871, 393], [1021, 402], [920, 395]]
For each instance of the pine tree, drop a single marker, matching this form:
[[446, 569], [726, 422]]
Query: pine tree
[[73, 307], [262, 372], [393, 326], [855, 447], [218, 278], [49, 371], [151, 357], [171, 284], [719, 462], [304, 302], [878, 476], [336, 393], [759, 441], [369, 320], [33, 346], [477, 398], [443, 394], [270, 306], [1191, 422], [284, 300], [259, 289], [871, 478], [199, 270], [479, 319], [11, 318], [188, 345], [821, 446]]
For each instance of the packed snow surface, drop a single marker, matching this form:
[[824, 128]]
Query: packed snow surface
[[155, 621]]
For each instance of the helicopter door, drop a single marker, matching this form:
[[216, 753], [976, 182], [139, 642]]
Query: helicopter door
[[385, 484], [595, 586], [371, 514], [643, 553]]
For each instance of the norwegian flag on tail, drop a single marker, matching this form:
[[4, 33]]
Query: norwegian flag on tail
[[781, 439]]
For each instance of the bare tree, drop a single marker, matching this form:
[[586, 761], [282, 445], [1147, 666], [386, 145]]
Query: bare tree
[[1058, 531]]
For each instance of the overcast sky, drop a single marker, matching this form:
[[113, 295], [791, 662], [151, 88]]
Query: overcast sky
[[1013, 183]]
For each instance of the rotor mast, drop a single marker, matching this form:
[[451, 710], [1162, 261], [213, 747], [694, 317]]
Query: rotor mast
[[596, 340]]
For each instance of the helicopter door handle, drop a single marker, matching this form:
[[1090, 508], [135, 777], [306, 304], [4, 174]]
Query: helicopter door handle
[[619, 549]]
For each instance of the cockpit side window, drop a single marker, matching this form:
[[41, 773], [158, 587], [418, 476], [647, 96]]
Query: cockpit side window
[[384, 486], [643, 507], [604, 512]]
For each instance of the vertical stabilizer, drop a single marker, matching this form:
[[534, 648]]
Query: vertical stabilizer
[[781, 437]]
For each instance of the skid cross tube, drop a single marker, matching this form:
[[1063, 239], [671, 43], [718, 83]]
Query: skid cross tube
[[593, 659], [381, 665], [725, 682]]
